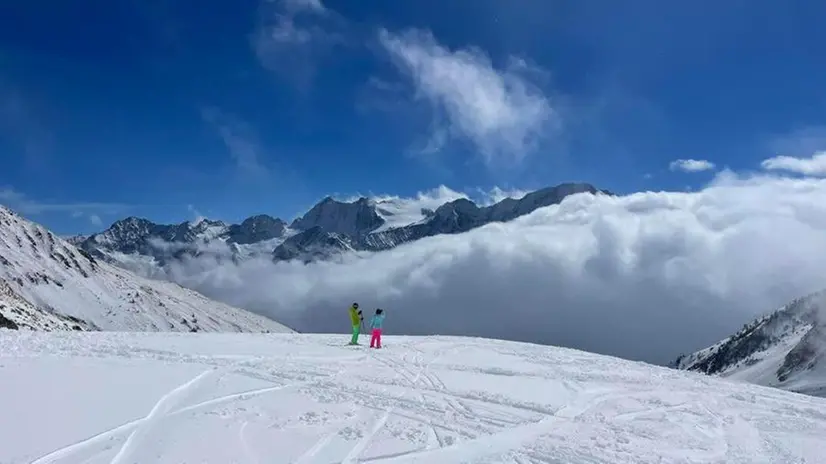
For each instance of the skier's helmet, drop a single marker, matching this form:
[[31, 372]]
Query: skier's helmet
[[356, 305]]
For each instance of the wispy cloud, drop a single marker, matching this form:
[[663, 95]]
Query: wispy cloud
[[88, 210], [801, 142], [240, 139], [436, 197], [20, 124], [812, 166], [498, 110], [314, 6], [691, 165], [197, 216], [288, 36], [497, 194]]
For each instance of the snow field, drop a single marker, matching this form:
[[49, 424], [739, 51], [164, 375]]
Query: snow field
[[291, 398]]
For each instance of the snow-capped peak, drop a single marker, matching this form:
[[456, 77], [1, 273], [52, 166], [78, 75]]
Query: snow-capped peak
[[351, 219]]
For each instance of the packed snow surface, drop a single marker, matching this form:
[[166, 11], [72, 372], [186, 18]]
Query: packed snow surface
[[72, 397]]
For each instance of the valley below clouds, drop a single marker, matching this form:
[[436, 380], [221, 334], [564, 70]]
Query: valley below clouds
[[645, 276]]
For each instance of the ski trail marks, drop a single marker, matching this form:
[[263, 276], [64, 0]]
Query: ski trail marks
[[245, 444], [115, 431], [506, 440], [168, 400], [402, 371], [161, 409], [323, 441]]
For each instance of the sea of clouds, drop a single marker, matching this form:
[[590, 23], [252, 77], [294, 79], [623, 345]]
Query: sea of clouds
[[645, 276]]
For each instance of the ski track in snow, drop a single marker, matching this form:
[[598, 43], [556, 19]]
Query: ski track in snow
[[308, 399], [158, 411]]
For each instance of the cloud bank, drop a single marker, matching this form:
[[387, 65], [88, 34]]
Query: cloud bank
[[691, 165], [497, 110], [645, 276]]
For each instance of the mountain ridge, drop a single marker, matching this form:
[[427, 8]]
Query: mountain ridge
[[48, 284], [784, 349], [327, 229]]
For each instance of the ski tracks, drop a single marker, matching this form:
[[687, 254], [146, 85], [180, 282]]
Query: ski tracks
[[505, 440], [162, 410], [401, 370]]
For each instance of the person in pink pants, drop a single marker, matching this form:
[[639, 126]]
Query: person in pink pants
[[375, 324]]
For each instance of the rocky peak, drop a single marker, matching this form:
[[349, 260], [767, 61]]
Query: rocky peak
[[126, 230], [313, 243], [510, 209], [350, 219], [257, 228], [789, 343]]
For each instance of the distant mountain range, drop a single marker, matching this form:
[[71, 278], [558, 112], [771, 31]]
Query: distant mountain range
[[784, 349], [328, 229], [48, 284]]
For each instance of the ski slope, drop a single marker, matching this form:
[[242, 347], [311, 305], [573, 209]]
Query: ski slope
[[72, 397]]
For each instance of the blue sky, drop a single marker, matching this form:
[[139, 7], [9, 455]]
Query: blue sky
[[165, 109]]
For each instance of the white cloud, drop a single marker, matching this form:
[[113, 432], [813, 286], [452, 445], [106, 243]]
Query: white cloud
[[691, 165], [239, 138], [644, 276], [95, 220], [812, 166], [28, 206], [496, 194], [498, 110], [432, 199]]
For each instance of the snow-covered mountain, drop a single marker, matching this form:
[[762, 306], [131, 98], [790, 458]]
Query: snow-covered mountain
[[290, 398], [163, 242], [785, 349], [329, 228], [377, 226], [350, 219], [46, 283]]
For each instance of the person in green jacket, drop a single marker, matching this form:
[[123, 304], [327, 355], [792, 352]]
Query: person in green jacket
[[355, 319]]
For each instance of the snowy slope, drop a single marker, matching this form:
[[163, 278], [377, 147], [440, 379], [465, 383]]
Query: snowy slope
[[289, 398], [45, 280], [785, 349], [17, 313]]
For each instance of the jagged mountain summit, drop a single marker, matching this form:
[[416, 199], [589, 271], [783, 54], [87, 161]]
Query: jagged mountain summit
[[785, 349], [329, 228], [48, 284], [454, 217], [163, 242]]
